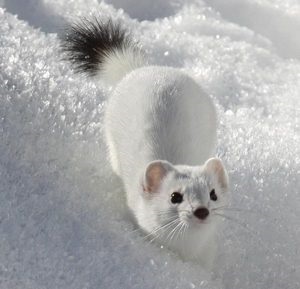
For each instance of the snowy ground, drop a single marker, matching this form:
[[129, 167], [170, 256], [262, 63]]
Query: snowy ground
[[63, 222]]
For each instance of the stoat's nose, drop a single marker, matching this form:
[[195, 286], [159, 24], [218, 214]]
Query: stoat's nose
[[201, 213]]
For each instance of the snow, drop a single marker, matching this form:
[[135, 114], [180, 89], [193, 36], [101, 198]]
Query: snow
[[63, 219]]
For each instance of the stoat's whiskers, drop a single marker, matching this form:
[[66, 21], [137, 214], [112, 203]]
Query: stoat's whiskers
[[231, 209], [180, 233], [174, 229], [157, 232], [171, 235]]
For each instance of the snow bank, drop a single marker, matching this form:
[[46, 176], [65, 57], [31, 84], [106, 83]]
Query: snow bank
[[63, 222]]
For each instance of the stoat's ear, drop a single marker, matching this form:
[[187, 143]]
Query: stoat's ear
[[155, 172], [215, 168]]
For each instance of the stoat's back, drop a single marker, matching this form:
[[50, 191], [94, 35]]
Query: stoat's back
[[160, 113]]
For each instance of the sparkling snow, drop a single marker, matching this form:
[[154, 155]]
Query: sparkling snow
[[63, 219]]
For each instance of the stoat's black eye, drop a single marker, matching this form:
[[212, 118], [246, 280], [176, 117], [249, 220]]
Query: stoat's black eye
[[213, 195], [176, 198]]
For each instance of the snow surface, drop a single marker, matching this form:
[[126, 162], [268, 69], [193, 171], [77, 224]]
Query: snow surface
[[63, 219]]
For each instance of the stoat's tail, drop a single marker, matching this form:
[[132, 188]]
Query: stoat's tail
[[102, 49]]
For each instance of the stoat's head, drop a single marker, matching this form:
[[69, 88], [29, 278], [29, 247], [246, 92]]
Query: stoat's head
[[184, 197]]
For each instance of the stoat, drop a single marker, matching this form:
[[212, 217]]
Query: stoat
[[160, 129]]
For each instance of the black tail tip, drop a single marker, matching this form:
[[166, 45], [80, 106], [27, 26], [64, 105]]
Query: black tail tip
[[87, 42]]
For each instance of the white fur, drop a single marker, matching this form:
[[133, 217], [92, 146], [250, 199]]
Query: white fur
[[118, 63], [160, 113]]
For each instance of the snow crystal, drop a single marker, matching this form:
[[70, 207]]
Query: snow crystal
[[63, 218]]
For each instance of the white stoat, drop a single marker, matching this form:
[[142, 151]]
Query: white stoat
[[160, 129]]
